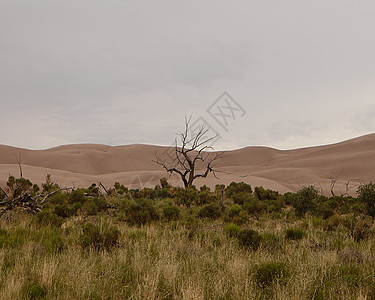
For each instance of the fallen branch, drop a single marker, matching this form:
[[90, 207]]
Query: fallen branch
[[6, 195], [101, 184]]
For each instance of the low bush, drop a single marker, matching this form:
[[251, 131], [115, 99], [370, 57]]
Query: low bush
[[187, 196], [254, 207], [366, 195], [268, 273], [265, 194], [99, 238], [205, 197], [326, 212], [362, 230], [90, 207], [47, 218], [138, 211], [305, 200], [332, 223], [101, 203], [249, 239], [234, 210], [294, 234], [210, 211], [77, 196], [65, 210], [236, 215], [232, 230], [171, 212], [237, 187], [34, 290], [271, 241], [52, 241], [15, 238], [58, 198]]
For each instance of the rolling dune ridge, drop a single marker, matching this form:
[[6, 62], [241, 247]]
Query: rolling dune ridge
[[132, 165]]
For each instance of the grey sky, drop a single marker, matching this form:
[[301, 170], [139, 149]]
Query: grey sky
[[123, 72]]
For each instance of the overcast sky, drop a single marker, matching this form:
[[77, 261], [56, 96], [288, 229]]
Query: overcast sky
[[121, 72]]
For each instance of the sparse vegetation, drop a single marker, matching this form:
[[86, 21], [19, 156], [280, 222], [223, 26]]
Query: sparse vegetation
[[172, 243]]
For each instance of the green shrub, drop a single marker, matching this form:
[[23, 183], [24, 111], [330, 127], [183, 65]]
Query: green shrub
[[288, 198], [93, 190], [236, 215], [77, 196], [14, 238], [240, 198], [237, 187], [171, 212], [263, 194], [101, 203], [271, 241], [294, 234], [349, 223], [332, 223], [234, 210], [305, 200], [249, 239], [162, 193], [366, 195], [273, 205], [164, 183], [361, 230], [326, 212], [232, 230], [146, 193], [53, 241], [254, 207], [317, 222], [64, 210], [211, 211], [205, 197], [58, 198], [47, 218], [187, 196], [90, 207], [104, 238], [120, 188], [266, 274], [34, 290], [139, 211]]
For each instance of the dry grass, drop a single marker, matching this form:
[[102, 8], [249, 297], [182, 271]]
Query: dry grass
[[161, 261]]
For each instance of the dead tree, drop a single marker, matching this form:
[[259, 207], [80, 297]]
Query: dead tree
[[348, 185], [333, 180], [19, 193], [19, 162], [192, 159]]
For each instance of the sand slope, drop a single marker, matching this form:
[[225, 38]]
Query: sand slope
[[132, 165]]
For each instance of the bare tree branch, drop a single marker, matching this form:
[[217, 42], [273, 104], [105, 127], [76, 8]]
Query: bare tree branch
[[192, 155], [101, 184], [6, 195], [19, 161], [333, 180], [348, 185]]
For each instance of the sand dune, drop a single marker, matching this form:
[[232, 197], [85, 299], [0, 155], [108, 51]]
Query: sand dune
[[132, 165]]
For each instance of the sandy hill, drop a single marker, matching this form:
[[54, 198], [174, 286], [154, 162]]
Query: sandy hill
[[132, 165]]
